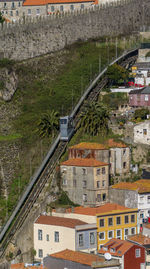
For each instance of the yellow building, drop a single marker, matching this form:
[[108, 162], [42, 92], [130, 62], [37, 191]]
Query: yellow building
[[116, 221]]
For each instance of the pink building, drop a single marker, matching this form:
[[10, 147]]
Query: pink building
[[140, 98]]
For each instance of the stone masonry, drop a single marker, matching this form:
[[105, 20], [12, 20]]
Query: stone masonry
[[42, 35]]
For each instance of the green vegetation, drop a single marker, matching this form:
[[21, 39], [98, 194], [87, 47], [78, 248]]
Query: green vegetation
[[113, 100], [117, 74], [94, 119], [9, 137], [148, 54], [1, 18], [48, 124], [141, 113], [6, 63]]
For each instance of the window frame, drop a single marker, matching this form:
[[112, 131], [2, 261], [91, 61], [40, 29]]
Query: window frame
[[56, 237], [119, 236], [139, 254], [100, 234], [110, 218], [116, 220], [103, 222], [125, 219], [81, 239], [40, 253], [109, 237], [40, 234], [133, 215], [92, 242]]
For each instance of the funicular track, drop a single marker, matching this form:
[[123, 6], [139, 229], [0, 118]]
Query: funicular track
[[50, 162]]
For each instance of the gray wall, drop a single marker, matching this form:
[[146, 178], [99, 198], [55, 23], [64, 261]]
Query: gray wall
[[53, 263], [126, 198], [22, 41]]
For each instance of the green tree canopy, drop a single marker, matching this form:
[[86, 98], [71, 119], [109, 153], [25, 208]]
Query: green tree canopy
[[48, 123], [141, 113], [94, 118], [1, 18], [116, 73]]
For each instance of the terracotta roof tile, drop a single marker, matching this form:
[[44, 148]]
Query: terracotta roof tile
[[17, 266], [147, 225], [110, 143], [122, 247], [45, 2], [79, 257], [139, 238], [59, 221], [84, 162], [142, 186], [107, 208]]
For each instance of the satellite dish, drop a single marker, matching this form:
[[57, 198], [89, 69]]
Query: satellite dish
[[107, 256]]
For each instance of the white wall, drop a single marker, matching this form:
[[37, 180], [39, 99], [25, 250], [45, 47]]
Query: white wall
[[85, 218], [139, 136]]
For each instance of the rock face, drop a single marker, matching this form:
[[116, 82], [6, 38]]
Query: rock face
[[8, 83]]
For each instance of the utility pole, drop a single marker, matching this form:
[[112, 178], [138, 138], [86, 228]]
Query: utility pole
[[72, 99], [100, 63]]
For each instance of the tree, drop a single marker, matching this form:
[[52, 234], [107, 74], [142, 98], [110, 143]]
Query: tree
[[141, 113], [48, 124], [94, 118], [1, 18], [117, 74]]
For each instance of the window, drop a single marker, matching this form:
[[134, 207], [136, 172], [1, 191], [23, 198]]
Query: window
[[37, 11], [144, 131], [19, 4], [13, 5], [141, 215], [110, 234], [82, 6], [98, 184], [118, 234], [98, 171], [104, 196], [61, 8], [80, 240], [110, 221], [92, 238], [74, 170], [102, 236], [118, 220], [146, 97], [83, 171], [56, 234], [124, 151], [148, 199], [103, 183], [84, 183], [98, 197], [52, 8], [72, 7], [133, 230], [74, 183], [17, 13], [5, 4], [124, 165], [137, 253], [40, 253], [85, 197], [103, 170], [132, 218], [101, 222], [40, 234], [126, 219], [126, 232], [11, 13], [29, 11], [64, 181], [47, 237]]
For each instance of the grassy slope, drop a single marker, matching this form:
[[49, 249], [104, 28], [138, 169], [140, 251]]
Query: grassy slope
[[54, 81]]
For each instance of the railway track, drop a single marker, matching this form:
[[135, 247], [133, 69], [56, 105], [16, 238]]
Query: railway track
[[46, 171]]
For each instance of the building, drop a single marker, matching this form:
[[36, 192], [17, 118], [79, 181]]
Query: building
[[146, 229], [133, 195], [144, 241], [78, 260], [142, 133], [85, 180], [53, 234], [140, 98], [116, 221], [117, 154], [11, 9], [129, 254]]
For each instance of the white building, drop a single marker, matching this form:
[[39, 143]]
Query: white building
[[142, 133], [53, 234]]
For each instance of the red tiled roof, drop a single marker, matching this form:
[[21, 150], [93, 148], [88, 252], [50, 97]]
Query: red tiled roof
[[76, 256], [84, 162], [122, 247], [110, 143], [142, 185], [22, 266], [59, 221], [45, 2], [93, 211], [139, 238]]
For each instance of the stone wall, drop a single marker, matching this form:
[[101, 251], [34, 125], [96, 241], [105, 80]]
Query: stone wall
[[44, 35]]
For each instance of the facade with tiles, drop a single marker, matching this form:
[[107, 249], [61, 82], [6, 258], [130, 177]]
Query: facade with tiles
[[86, 181], [52, 234], [117, 154], [116, 224]]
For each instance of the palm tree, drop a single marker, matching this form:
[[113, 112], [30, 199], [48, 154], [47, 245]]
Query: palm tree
[[94, 118], [48, 124]]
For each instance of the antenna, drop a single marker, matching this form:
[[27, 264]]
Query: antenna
[[107, 256]]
